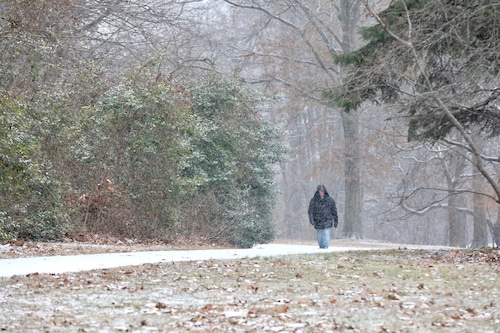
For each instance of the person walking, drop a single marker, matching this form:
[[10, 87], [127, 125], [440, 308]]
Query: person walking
[[323, 215]]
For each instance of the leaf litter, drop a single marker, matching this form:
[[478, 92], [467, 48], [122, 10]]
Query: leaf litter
[[94, 244], [382, 291]]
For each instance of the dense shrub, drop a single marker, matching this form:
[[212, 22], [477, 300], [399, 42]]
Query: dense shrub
[[31, 202], [235, 156], [88, 146], [142, 159]]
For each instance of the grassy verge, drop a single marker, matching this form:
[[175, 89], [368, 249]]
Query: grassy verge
[[386, 291]]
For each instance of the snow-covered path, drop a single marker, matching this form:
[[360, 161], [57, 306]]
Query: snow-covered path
[[76, 263]]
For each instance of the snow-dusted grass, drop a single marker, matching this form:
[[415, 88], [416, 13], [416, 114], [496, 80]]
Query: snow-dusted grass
[[389, 291]]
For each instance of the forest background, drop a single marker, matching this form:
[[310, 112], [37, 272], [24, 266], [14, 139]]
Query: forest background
[[217, 119]]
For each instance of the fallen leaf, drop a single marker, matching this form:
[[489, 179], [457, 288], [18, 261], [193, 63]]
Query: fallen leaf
[[393, 297], [161, 305], [207, 307], [471, 311]]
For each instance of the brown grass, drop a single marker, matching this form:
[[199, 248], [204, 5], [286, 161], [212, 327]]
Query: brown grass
[[387, 291]]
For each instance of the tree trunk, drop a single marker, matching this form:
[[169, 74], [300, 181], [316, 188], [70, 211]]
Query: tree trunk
[[353, 225], [495, 231], [480, 234], [456, 220]]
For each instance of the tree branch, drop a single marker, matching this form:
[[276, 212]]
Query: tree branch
[[435, 96]]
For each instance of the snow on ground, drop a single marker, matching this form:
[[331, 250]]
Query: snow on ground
[[76, 263]]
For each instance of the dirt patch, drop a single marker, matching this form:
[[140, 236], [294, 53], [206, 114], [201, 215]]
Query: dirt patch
[[390, 291]]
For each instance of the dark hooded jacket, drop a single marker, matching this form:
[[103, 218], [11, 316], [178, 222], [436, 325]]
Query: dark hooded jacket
[[322, 212]]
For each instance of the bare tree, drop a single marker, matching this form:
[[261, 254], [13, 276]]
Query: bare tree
[[123, 33], [294, 43]]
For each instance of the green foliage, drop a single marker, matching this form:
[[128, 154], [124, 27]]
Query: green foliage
[[127, 155], [140, 155], [6, 227], [148, 130], [30, 196], [35, 129], [450, 53], [377, 36], [235, 156]]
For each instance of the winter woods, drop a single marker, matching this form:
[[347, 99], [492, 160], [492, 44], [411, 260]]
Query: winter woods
[[170, 119]]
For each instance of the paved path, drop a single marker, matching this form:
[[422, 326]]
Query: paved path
[[65, 264]]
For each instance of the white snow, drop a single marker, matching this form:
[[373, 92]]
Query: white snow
[[76, 263]]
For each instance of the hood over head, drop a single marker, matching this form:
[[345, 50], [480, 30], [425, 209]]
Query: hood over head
[[321, 187]]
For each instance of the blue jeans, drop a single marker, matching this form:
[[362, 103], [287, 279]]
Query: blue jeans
[[323, 237]]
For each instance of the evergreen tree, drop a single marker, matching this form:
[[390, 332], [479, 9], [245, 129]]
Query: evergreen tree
[[423, 50]]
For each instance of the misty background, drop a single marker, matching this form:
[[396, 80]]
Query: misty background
[[80, 155]]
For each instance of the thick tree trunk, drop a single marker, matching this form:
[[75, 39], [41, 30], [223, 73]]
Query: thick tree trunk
[[456, 220], [353, 225], [496, 234], [480, 234], [495, 231]]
